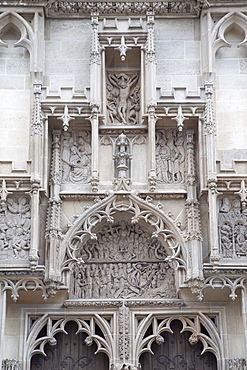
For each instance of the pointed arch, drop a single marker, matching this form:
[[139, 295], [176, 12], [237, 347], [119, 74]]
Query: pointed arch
[[200, 326], [26, 40], [219, 30], [139, 211]]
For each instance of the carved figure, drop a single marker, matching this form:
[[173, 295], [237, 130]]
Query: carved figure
[[232, 228], [76, 157], [122, 157], [170, 156], [119, 265], [123, 101], [15, 227]]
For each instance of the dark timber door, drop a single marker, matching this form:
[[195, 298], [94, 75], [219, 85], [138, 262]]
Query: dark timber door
[[70, 353], [176, 353]]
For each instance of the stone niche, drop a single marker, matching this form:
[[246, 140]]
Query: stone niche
[[123, 262], [122, 87]]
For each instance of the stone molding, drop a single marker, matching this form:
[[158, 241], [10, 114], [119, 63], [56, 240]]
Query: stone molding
[[79, 8]]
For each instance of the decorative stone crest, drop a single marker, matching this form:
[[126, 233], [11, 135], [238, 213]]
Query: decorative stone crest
[[123, 98], [170, 156], [76, 157], [124, 262], [15, 224], [232, 228]]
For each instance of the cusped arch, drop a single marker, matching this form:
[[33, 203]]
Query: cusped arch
[[194, 324], [35, 342], [162, 228], [218, 33], [26, 40]]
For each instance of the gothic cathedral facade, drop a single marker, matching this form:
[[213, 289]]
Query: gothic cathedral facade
[[123, 171]]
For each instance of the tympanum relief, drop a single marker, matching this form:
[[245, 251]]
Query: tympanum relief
[[123, 98], [15, 225], [124, 262], [170, 156], [232, 228], [76, 157]]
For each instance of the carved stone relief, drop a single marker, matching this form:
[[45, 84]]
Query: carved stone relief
[[232, 228], [123, 98], [170, 156], [236, 364], [122, 157], [124, 262], [76, 157], [15, 225], [11, 365]]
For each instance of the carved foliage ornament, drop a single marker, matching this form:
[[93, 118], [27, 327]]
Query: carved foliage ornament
[[8, 364], [15, 225], [192, 7]]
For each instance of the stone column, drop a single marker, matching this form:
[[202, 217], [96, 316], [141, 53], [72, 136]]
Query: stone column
[[36, 171], [210, 136], [2, 321], [95, 97], [53, 232], [194, 239], [151, 148]]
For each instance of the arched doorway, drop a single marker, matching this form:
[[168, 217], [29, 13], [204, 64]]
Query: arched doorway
[[176, 353], [70, 352]]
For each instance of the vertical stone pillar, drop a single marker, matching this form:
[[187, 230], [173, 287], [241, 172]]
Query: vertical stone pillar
[[194, 239], [36, 172], [150, 92], [151, 148], [53, 232], [95, 96], [2, 321], [210, 136]]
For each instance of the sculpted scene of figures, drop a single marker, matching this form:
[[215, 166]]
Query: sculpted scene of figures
[[123, 280], [232, 228], [170, 156], [76, 157], [124, 261], [123, 98], [15, 225], [122, 242]]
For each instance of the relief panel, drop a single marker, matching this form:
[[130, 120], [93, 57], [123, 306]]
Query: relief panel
[[232, 228], [15, 225], [170, 156], [124, 262], [76, 157]]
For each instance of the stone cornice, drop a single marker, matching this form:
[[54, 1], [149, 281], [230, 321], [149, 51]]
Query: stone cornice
[[81, 8]]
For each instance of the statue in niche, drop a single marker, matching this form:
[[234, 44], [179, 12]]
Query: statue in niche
[[15, 228], [124, 262], [232, 228], [122, 157], [76, 157], [123, 98], [170, 156]]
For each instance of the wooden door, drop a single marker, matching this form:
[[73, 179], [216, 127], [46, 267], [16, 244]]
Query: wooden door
[[176, 353], [70, 353]]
